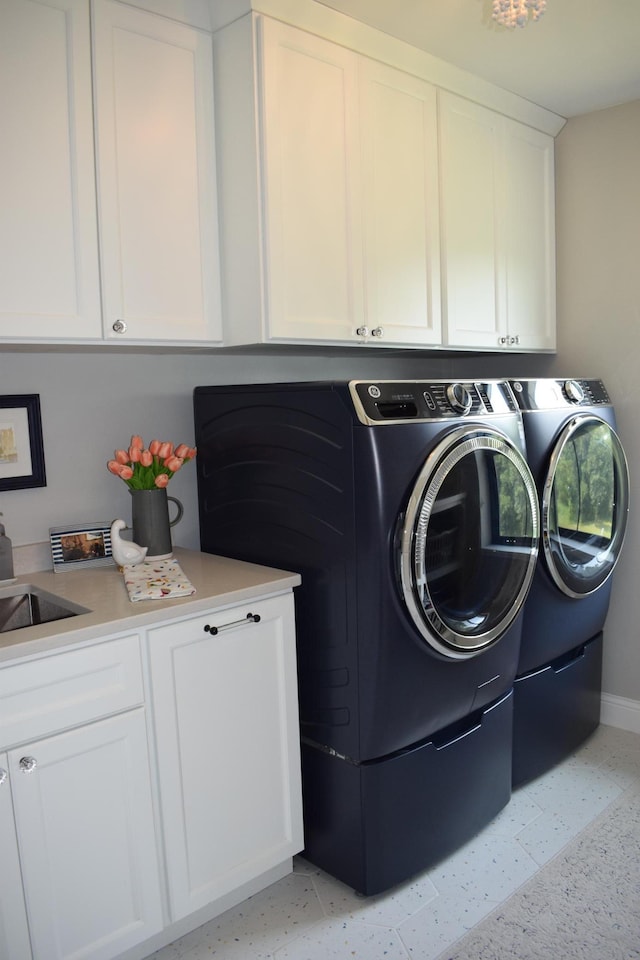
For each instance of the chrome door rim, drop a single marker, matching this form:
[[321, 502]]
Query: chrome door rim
[[457, 445], [618, 534]]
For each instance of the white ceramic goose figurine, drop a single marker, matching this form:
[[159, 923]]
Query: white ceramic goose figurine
[[124, 551]]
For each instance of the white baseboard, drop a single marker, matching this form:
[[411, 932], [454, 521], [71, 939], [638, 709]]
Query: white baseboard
[[620, 712]]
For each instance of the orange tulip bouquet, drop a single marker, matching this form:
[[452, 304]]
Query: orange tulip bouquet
[[152, 468]]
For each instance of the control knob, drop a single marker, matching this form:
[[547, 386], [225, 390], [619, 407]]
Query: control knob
[[573, 391], [459, 397]]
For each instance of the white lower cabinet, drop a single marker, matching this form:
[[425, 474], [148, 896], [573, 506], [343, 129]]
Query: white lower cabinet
[[14, 932], [120, 817], [81, 862], [86, 839], [224, 695]]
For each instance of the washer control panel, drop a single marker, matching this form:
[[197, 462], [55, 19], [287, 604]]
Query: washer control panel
[[402, 401], [547, 394]]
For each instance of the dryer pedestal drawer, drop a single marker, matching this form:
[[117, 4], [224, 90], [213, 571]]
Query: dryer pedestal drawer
[[555, 709], [375, 824]]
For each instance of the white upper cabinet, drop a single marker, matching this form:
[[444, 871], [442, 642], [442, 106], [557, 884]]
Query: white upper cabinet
[[400, 211], [347, 198], [156, 176], [311, 186], [152, 180], [530, 251], [328, 168], [497, 210], [49, 286], [356, 210], [471, 247]]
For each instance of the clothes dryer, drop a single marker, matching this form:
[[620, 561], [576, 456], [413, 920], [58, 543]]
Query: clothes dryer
[[581, 473], [411, 513]]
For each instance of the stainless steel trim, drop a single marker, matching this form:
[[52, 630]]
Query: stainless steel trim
[[617, 540], [250, 618], [458, 444]]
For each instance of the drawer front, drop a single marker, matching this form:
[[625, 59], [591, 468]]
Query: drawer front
[[43, 696]]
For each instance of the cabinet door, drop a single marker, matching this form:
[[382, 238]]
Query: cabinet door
[[14, 935], [310, 175], [49, 287], [530, 236], [226, 720], [400, 209], [86, 839], [156, 177], [473, 257]]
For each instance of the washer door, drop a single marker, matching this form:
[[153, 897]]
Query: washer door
[[585, 504], [469, 541]]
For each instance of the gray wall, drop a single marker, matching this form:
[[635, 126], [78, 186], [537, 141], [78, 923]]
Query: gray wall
[[93, 401], [598, 256]]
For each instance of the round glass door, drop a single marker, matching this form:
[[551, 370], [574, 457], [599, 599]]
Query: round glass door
[[469, 541], [585, 504]]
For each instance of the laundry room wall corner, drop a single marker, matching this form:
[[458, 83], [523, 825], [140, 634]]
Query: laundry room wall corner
[[597, 216]]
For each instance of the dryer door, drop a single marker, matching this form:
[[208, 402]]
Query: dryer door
[[585, 504], [469, 541]]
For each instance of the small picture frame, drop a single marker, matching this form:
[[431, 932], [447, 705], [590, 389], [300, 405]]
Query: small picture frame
[[21, 447], [81, 545]]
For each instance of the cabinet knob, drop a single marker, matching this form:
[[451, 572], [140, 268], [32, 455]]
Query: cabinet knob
[[119, 327], [28, 764], [377, 332], [3, 775], [362, 331]]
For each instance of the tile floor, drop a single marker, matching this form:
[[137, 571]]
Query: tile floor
[[310, 916]]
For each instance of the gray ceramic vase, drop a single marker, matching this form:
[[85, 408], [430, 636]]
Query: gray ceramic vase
[[150, 521]]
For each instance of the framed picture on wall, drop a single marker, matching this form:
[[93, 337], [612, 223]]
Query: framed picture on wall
[[21, 447]]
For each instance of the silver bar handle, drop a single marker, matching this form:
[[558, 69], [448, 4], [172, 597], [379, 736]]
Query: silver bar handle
[[250, 618]]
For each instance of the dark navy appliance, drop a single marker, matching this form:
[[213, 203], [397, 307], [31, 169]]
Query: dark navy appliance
[[411, 513], [580, 469]]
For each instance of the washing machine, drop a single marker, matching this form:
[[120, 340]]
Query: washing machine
[[412, 516], [581, 473]]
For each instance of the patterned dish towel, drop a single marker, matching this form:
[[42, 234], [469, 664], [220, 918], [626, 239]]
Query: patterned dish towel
[[155, 581]]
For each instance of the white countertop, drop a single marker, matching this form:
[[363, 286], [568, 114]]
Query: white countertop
[[219, 582]]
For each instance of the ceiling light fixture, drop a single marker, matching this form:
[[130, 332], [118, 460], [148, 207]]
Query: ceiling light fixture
[[517, 13]]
